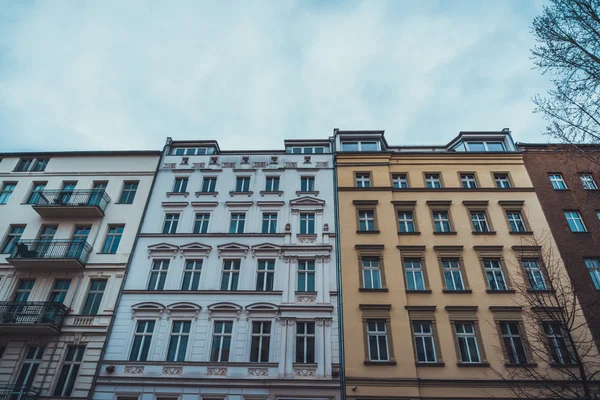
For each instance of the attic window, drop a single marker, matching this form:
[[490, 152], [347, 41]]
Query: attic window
[[360, 146], [485, 146]]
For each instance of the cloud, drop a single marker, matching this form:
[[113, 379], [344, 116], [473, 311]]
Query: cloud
[[125, 75]]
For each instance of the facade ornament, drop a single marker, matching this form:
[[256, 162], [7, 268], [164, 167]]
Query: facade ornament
[[216, 371], [134, 369], [228, 165], [295, 211], [169, 166], [323, 321], [290, 165], [287, 321], [259, 165], [306, 299], [319, 211], [288, 227], [322, 164], [258, 372], [305, 372], [306, 239], [172, 370], [326, 228], [198, 165]]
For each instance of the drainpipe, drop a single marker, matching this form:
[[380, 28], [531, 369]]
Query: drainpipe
[[117, 302], [339, 271]]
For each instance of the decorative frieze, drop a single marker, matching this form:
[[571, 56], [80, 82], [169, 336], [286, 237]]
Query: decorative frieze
[[258, 372], [172, 370], [228, 165], [198, 165], [290, 165], [305, 372], [259, 165], [134, 369], [216, 371], [322, 164], [306, 298], [169, 165]]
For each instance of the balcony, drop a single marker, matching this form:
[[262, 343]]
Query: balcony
[[50, 254], [31, 317], [11, 392], [72, 203]]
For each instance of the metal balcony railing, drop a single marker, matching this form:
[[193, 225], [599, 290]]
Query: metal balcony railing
[[11, 392], [73, 198], [38, 313], [41, 249]]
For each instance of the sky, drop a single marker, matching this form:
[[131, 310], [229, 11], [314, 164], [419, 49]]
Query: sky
[[104, 75]]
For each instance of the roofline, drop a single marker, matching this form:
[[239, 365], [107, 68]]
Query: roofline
[[106, 153]]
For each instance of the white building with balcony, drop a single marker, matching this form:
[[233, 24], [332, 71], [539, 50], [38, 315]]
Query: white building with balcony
[[231, 292], [68, 223]]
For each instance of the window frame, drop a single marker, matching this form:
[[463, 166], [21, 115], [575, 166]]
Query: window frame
[[580, 219], [6, 194], [369, 218], [556, 183], [397, 176], [145, 335], [592, 265], [90, 291], [222, 335], [305, 336], [432, 336], [501, 268], [525, 261], [192, 272], [421, 262], [307, 272], [309, 231], [463, 178], [265, 275], [233, 281], [310, 186], [171, 221], [116, 236], [207, 183], [71, 365], [9, 238], [448, 219], [513, 351], [179, 339], [260, 336], [377, 312], [271, 222], [475, 335], [180, 185], [364, 178], [427, 175], [587, 178], [126, 192], [272, 179], [498, 177], [359, 145], [242, 182], [371, 268], [159, 270], [239, 218], [202, 223]]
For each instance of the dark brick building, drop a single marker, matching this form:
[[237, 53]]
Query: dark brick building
[[567, 184]]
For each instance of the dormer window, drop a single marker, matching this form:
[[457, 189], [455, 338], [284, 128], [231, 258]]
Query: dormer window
[[360, 146], [305, 150], [191, 151], [485, 146]]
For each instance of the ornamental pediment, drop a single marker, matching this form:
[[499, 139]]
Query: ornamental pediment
[[233, 249], [307, 201]]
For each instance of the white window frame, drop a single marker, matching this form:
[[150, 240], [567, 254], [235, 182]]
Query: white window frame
[[260, 337], [493, 270], [479, 221], [502, 181], [158, 268], [196, 270], [534, 274], [509, 336], [204, 219], [465, 336], [239, 218], [400, 181], [366, 218], [378, 333], [305, 337], [307, 183], [179, 335], [453, 269], [220, 336], [263, 268], [269, 217], [593, 267], [575, 216], [209, 182], [406, 219], [363, 180], [439, 217], [516, 222], [468, 181], [433, 181], [146, 335], [423, 336], [310, 267], [230, 268], [588, 182], [272, 180], [244, 186], [305, 219], [412, 268], [556, 180], [371, 267], [172, 221]]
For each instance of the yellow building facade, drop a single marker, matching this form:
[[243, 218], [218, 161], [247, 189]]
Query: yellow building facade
[[432, 244]]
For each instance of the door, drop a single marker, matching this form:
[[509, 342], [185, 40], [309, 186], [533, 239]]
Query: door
[[97, 192]]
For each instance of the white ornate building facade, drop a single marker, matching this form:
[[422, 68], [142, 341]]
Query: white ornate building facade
[[68, 222], [231, 292]]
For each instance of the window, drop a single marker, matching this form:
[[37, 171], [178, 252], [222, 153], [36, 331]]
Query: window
[[209, 185], [113, 238], [453, 275], [588, 182], [558, 344], [307, 184], [242, 184], [371, 273], [377, 340], [433, 181], [494, 274], [363, 180], [141, 341], [158, 274], [12, 238], [359, 146], [66, 192], [479, 221], [94, 297], [191, 275], [307, 224], [575, 221], [305, 342], [366, 220], [406, 221], [26, 376], [513, 342], [305, 150], [171, 222], [237, 223], [78, 240], [180, 185], [24, 164], [502, 181], [24, 290], [180, 151], [515, 221], [467, 342], [40, 164], [424, 341], [413, 271], [557, 182], [6, 192], [231, 274], [36, 191], [535, 275], [306, 275], [69, 371], [221, 341], [269, 223], [201, 223], [593, 266], [180, 334], [468, 181], [261, 339], [128, 192], [485, 146], [272, 184], [441, 220], [59, 293], [265, 276], [400, 181]]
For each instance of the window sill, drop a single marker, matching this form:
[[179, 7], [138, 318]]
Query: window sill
[[521, 232], [301, 193], [473, 365], [234, 193], [305, 293], [372, 290], [125, 204], [367, 232], [490, 291], [540, 291], [484, 233], [523, 365], [563, 366], [105, 253], [465, 291], [582, 233], [562, 190], [369, 362], [409, 233], [418, 291], [277, 192], [302, 365], [430, 364], [176, 194], [214, 194], [445, 233]]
